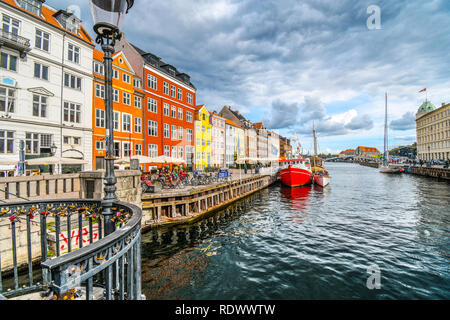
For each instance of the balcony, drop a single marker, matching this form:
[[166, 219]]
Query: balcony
[[16, 42], [55, 250]]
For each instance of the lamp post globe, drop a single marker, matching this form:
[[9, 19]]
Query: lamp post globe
[[108, 17]]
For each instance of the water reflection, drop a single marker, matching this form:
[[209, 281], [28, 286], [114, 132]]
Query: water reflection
[[311, 243], [176, 258]]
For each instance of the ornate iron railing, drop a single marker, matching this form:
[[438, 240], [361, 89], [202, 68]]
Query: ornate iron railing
[[76, 260], [15, 38]]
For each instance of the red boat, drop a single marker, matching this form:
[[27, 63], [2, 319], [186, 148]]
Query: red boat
[[297, 172]]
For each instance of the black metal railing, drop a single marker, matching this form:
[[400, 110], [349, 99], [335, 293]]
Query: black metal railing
[[19, 40], [66, 236]]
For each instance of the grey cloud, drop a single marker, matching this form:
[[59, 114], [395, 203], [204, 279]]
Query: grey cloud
[[360, 122], [284, 115], [406, 122]]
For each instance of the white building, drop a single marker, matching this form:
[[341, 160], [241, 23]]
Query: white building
[[45, 82], [240, 143], [230, 142], [273, 145]]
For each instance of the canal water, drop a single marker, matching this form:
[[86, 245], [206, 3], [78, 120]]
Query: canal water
[[365, 230]]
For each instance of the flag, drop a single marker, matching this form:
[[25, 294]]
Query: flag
[[423, 90]]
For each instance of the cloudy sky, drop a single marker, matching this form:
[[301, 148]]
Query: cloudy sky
[[292, 63]]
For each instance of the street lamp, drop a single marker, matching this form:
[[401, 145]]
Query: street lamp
[[53, 149], [108, 16]]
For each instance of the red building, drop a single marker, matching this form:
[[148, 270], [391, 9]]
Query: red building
[[169, 105]]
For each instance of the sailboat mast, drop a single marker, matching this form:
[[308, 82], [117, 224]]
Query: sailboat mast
[[315, 140], [386, 146]]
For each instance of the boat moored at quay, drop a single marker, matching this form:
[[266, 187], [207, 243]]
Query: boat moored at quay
[[296, 172]]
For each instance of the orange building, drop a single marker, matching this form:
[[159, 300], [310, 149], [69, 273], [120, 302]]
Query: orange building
[[365, 152], [128, 106]]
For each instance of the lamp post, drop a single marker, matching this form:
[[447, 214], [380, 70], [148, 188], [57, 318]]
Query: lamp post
[[108, 16]]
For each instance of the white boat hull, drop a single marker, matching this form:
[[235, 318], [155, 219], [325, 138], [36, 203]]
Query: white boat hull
[[321, 181]]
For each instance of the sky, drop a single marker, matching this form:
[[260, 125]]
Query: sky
[[295, 63]]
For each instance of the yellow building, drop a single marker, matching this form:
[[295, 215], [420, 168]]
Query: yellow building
[[203, 138], [433, 132]]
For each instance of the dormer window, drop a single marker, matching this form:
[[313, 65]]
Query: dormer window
[[33, 6], [68, 20]]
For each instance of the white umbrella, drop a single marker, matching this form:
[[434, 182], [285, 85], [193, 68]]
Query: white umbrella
[[8, 162], [54, 160], [166, 159], [142, 159]]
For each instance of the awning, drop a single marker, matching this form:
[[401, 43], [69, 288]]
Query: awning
[[54, 160], [165, 159], [142, 159]]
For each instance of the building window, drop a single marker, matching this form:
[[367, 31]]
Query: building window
[[32, 143], [166, 130], [115, 74], [173, 91], [40, 71], [174, 112], [189, 98], [153, 150], [180, 94], [137, 125], [137, 102], [126, 98], [117, 149], [126, 149], [73, 53], [10, 25], [126, 78], [72, 112], [153, 128], [137, 83], [100, 90], [180, 133], [99, 68], [152, 105], [115, 95], [100, 145], [7, 99], [174, 132], [180, 114], [167, 151], [138, 149], [76, 141], [189, 135], [42, 40], [152, 82], [100, 118], [6, 141], [174, 152], [39, 106], [166, 109], [8, 61], [180, 153], [116, 120], [72, 81], [126, 122], [166, 88], [189, 116], [33, 6]]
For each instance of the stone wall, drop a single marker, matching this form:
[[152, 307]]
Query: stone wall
[[128, 185]]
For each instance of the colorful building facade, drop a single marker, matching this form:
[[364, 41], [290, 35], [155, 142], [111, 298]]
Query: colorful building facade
[[203, 138], [128, 98], [218, 140]]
